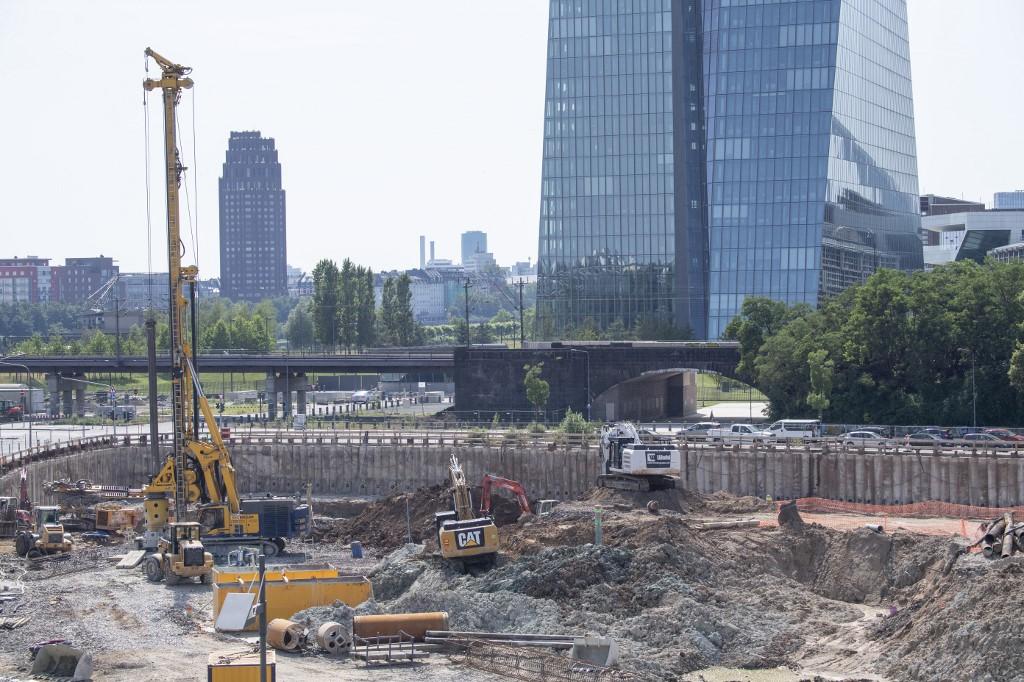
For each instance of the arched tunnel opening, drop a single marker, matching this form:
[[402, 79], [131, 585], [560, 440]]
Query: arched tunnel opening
[[677, 393]]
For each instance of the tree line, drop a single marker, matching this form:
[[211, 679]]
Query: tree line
[[343, 311], [902, 348]]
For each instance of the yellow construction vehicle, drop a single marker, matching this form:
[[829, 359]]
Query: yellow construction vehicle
[[180, 556], [465, 539], [46, 536], [200, 471]]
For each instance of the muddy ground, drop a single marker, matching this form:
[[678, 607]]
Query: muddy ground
[[806, 601]]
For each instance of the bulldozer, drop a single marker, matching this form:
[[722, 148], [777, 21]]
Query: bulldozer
[[46, 536], [179, 556], [467, 540]]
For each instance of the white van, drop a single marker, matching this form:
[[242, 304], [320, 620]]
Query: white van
[[793, 429]]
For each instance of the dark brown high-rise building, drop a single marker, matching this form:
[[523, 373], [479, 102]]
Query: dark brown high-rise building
[[253, 253]]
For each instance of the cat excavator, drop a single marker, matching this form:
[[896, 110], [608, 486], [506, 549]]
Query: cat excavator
[[466, 539], [199, 471]]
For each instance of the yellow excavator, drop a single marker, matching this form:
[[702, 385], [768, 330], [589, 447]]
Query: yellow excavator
[[466, 539], [199, 471]]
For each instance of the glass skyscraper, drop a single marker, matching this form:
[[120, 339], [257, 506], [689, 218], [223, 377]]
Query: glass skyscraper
[[697, 152]]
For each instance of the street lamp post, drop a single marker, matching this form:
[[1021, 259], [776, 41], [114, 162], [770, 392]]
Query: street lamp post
[[974, 387]]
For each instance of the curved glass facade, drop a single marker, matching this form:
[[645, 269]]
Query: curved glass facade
[[697, 152]]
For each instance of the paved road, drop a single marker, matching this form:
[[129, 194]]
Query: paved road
[[15, 436]]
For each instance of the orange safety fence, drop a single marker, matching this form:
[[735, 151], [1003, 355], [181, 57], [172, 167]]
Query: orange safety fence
[[927, 518]]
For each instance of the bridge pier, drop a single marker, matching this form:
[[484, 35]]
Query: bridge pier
[[67, 397], [284, 384]]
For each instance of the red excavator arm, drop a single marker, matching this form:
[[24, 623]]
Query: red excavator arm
[[514, 487]]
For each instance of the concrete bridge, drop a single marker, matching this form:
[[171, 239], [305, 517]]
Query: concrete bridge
[[602, 380], [640, 379]]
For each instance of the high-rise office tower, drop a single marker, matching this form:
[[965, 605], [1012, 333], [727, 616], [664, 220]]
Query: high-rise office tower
[[253, 253], [473, 242], [1008, 200], [698, 152]]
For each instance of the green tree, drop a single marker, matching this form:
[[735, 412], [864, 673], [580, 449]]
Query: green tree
[[821, 369], [216, 337], [299, 329], [326, 280], [405, 327], [574, 422], [759, 318], [348, 292], [366, 311], [484, 333], [537, 389]]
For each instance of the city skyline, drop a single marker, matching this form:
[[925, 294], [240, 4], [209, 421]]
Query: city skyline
[[373, 152]]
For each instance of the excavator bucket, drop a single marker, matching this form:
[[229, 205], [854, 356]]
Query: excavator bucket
[[595, 651], [57, 660]]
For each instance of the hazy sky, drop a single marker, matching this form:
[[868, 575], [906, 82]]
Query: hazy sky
[[393, 119]]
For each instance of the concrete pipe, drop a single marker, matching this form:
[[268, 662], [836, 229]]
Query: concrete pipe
[[333, 638], [285, 635], [414, 624], [995, 532]]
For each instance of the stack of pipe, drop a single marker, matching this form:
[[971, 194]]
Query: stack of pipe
[[1002, 537]]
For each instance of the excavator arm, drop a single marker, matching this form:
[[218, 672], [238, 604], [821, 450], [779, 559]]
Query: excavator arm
[[460, 491], [514, 487]]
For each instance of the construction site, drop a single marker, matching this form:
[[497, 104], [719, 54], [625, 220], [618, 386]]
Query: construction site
[[619, 555], [666, 585]]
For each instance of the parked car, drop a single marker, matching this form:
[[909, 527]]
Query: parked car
[[861, 438], [946, 434], [925, 438], [986, 440], [1005, 434], [793, 429], [737, 433], [698, 431]]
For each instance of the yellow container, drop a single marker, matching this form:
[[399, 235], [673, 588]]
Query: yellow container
[[233, 666], [291, 588]]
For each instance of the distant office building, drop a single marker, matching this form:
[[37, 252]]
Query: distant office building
[[140, 291], [932, 204], [969, 236], [25, 280], [524, 269], [473, 242], [434, 290], [80, 278], [253, 245], [699, 152], [481, 262], [300, 283], [1009, 200]]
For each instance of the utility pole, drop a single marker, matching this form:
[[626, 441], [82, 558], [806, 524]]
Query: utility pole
[[522, 329], [466, 285], [117, 323]]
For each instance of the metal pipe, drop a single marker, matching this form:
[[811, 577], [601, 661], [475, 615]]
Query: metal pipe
[[263, 617], [154, 417], [195, 357], [994, 532]]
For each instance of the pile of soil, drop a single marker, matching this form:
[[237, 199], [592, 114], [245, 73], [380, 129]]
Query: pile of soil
[[383, 525], [678, 499], [675, 598], [963, 625]]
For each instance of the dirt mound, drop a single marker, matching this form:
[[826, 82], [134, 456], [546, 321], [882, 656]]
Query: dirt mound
[[960, 626], [678, 500], [726, 503], [384, 524], [676, 598]]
